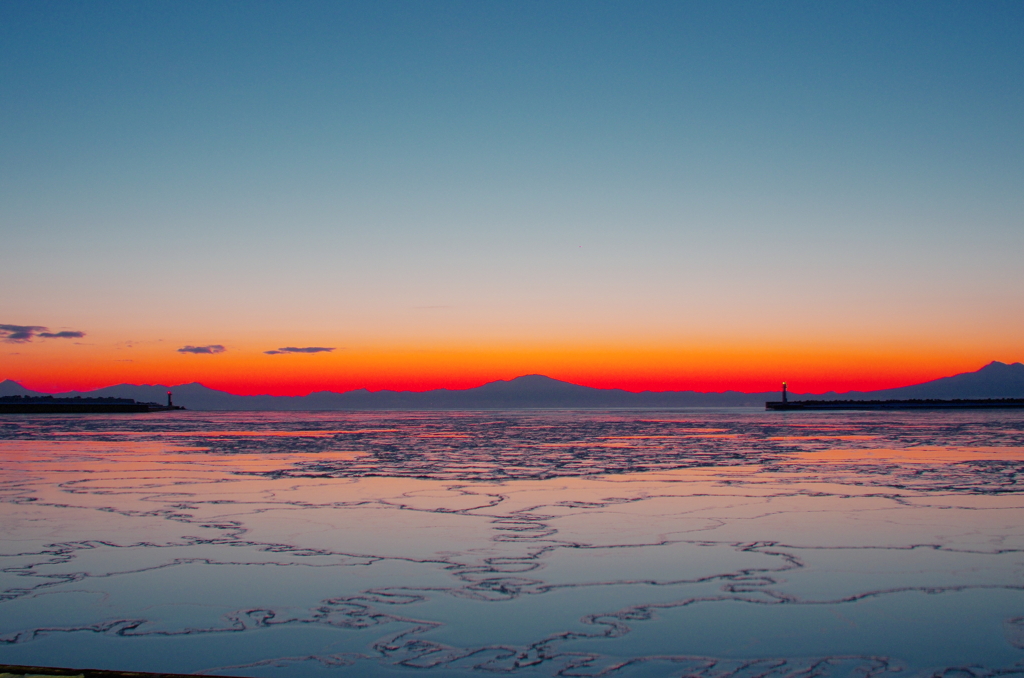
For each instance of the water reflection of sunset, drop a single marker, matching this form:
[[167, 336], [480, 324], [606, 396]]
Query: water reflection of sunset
[[346, 526], [824, 437], [915, 455]]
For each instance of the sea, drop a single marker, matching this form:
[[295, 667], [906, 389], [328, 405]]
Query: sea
[[712, 543]]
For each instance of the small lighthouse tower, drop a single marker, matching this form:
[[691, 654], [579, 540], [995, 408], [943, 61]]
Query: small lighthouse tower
[[784, 398], [170, 403]]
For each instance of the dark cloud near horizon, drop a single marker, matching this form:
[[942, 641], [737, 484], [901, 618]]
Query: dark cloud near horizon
[[62, 335], [202, 350], [23, 333], [304, 349]]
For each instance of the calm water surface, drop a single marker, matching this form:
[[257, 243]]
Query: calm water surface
[[682, 543]]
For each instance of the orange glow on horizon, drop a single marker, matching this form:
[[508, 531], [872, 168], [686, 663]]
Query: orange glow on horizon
[[722, 367]]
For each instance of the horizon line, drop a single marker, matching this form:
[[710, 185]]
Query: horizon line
[[470, 388]]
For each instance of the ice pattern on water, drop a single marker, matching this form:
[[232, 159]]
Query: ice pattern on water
[[675, 543]]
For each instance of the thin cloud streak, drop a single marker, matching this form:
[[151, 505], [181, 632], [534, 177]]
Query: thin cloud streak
[[24, 333], [304, 349], [202, 350], [62, 335]]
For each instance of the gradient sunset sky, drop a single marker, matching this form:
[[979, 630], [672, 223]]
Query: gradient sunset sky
[[646, 195]]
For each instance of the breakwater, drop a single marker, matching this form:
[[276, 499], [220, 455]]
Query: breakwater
[[78, 405], [922, 404]]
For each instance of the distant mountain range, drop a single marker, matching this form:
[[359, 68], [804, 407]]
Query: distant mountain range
[[995, 380]]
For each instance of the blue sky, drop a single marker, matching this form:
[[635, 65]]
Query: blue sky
[[540, 169]]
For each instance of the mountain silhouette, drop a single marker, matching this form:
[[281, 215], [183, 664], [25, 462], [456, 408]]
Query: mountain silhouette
[[995, 380], [9, 387]]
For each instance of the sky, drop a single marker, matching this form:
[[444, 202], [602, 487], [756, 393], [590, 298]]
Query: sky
[[651, 196]]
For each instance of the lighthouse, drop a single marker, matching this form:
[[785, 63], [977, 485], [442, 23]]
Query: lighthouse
[[784, 399]]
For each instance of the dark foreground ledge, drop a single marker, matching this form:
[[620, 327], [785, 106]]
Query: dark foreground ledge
[[980, 404], [19, 671]]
